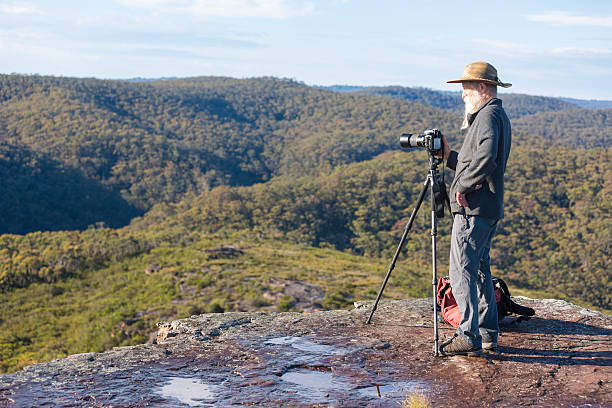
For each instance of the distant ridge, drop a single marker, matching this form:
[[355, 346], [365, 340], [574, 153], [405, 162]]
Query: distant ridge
[[451, 100], [141, 79], [589, 103]]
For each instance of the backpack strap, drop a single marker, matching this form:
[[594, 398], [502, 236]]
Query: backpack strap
[[524, 311], [512, 307]]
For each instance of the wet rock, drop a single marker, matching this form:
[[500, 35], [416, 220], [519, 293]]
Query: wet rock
[[560, 357]]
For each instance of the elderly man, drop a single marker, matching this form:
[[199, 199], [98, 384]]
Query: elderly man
[[477, 194]]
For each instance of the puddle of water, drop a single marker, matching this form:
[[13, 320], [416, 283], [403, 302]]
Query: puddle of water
[[394, 390], [309, 379], [302, 344], [314, 385], [317, 386], [189, 391]]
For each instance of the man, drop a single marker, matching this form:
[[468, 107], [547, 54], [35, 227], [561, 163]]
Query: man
[[477, 194]]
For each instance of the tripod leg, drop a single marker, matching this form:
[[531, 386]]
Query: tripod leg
[[434, 233], [400, 246]]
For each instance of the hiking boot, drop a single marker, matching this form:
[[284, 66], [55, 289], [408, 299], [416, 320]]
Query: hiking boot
[[459, 346], [489, 345]]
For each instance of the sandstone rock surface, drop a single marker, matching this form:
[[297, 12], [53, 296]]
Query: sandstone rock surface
[[562, 357]]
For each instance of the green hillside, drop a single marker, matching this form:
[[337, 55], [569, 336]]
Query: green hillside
[[40, 193], [155, 141], [556, 199], [578, 128], [134, 144]]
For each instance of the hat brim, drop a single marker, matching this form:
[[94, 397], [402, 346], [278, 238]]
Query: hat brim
[[488, 81]]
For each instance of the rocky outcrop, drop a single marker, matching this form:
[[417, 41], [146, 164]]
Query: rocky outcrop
[[561, 357]]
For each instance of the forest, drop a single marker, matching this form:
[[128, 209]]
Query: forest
[[135, 144], [126, 203]]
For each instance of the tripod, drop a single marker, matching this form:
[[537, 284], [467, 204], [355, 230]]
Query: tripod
[[435, 183]]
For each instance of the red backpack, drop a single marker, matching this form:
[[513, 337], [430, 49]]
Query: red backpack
[[505, 305]]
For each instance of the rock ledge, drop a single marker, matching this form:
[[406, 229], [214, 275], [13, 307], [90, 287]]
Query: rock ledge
[[561, 357]]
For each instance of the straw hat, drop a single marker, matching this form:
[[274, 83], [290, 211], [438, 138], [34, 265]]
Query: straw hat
[[482, 72]]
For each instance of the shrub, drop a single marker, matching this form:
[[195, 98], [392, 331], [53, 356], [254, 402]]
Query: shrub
[[286, 303]]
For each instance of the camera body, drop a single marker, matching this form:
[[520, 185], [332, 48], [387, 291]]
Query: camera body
[[430, 139]]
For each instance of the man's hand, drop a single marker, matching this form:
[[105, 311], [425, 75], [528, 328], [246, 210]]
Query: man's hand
[[461, 200], [445, 151]]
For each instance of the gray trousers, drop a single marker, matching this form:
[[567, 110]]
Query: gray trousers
[[470, 278]]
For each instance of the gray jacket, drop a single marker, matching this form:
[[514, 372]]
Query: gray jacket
[[482, 160]]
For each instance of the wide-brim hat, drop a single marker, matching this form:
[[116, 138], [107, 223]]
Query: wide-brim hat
[[481, 72]]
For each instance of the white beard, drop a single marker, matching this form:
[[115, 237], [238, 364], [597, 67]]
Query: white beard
[[465, 123], [471, 105]]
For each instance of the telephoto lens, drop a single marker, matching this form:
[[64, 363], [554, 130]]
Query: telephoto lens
[[409, 140]]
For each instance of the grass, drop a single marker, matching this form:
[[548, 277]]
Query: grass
[[416, 400]]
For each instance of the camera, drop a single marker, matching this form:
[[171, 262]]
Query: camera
[[431, 140]]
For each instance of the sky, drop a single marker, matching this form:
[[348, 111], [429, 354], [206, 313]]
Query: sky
[[551, 48]]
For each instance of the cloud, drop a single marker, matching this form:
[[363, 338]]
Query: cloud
[[581, 52], [228, 8], [20, 10], [565, 19], [514, 48]]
